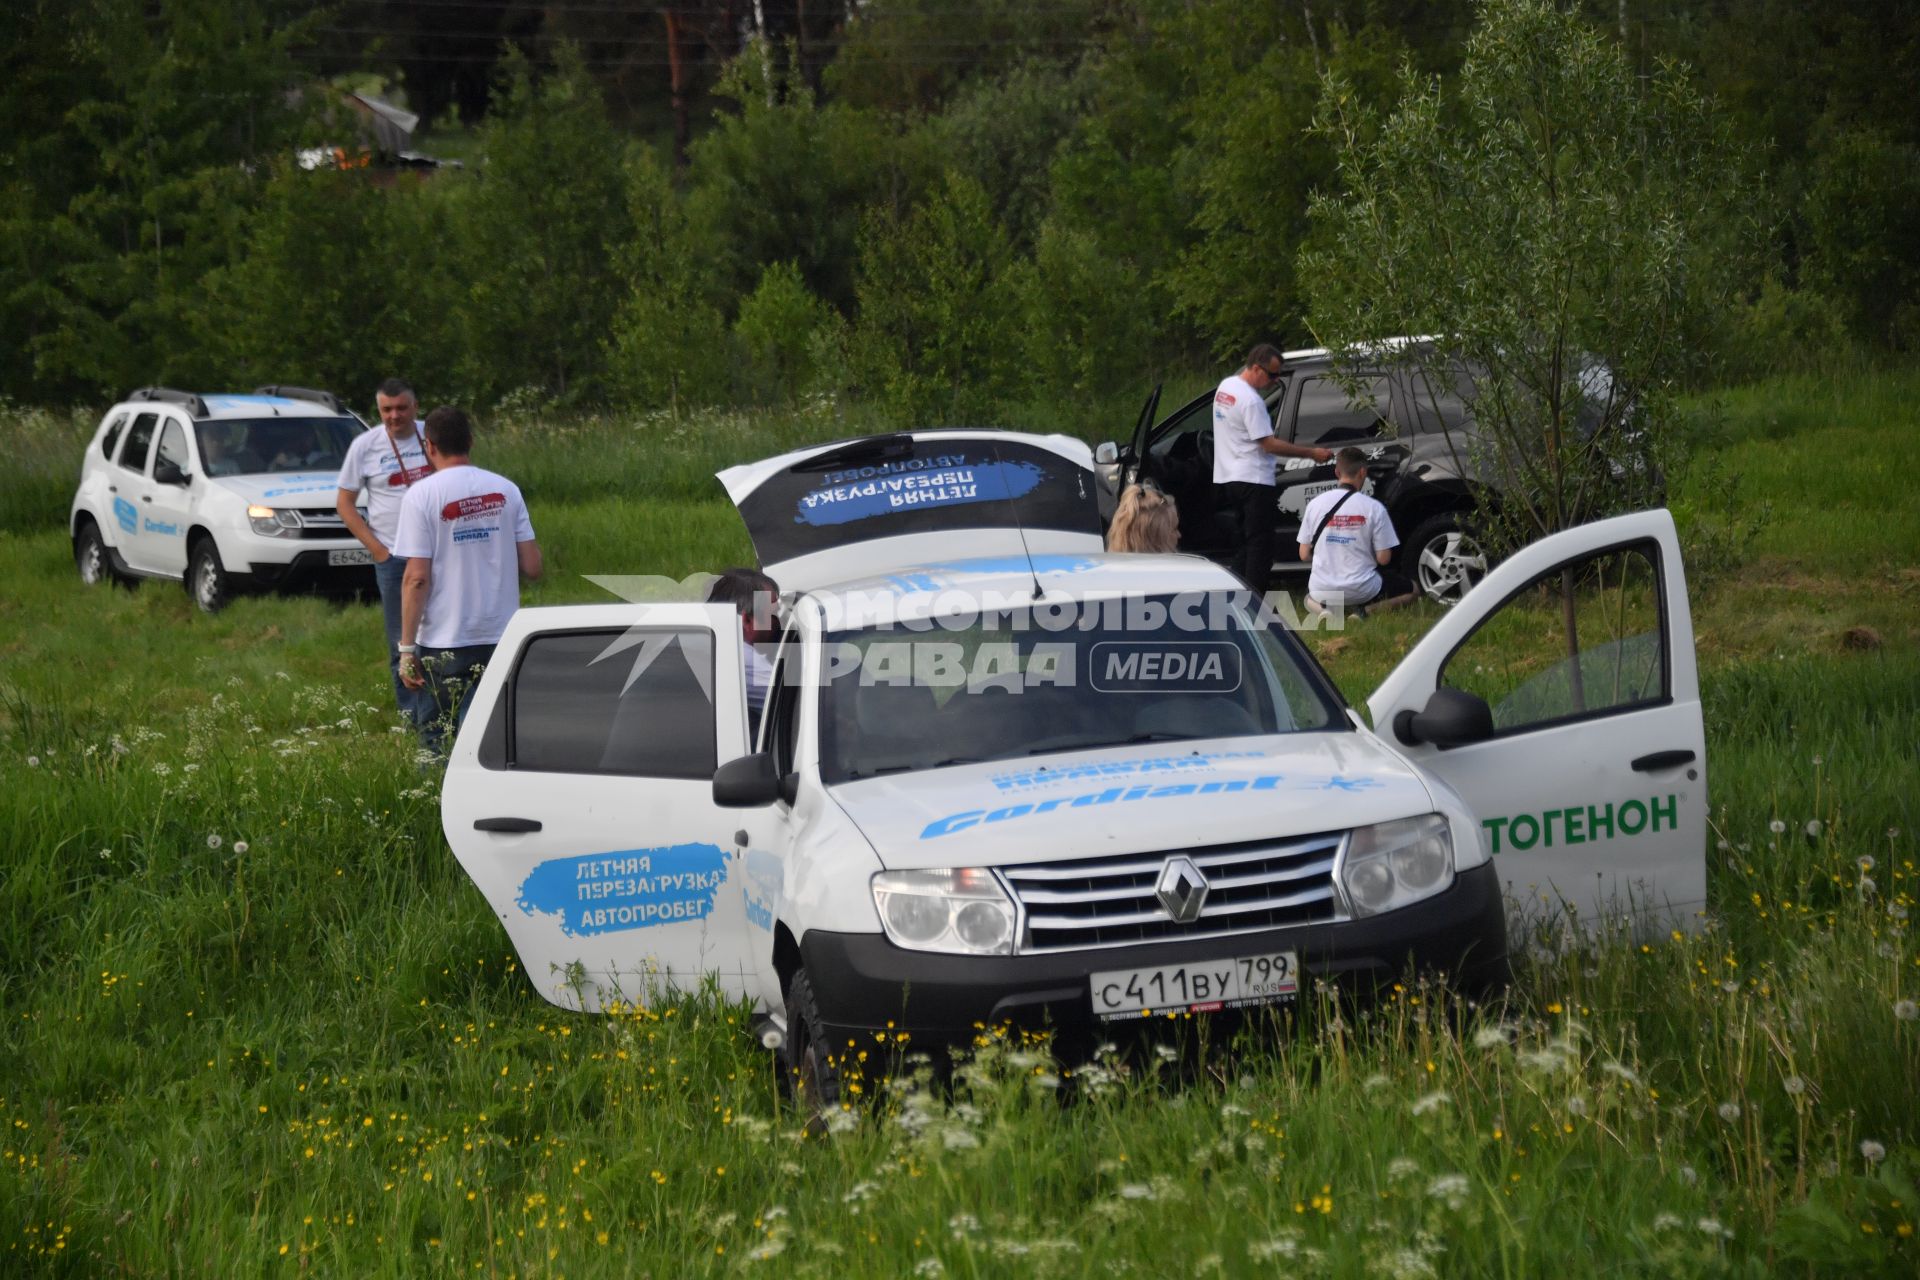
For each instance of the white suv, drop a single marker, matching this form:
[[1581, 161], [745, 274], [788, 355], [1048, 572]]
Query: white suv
[[1004, 776], [222, 492]]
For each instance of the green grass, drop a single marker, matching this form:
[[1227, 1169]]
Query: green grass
[[315, 1053]]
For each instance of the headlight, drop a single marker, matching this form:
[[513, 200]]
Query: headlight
[[962, 910], [269, 523], [1395, 863]]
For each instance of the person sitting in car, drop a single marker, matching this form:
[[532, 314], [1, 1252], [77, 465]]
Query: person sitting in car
[[226, 455], [299, 450]]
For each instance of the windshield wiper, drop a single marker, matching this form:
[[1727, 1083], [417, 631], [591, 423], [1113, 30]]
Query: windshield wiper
[[1163, 735]]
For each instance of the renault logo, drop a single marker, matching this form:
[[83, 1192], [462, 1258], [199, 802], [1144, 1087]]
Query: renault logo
[[1181, 889]]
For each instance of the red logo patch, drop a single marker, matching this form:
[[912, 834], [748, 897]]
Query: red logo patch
[[1223, 397], [481, 504], [407, 476]]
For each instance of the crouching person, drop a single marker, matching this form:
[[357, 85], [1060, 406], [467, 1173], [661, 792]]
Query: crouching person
[[1349, 538]]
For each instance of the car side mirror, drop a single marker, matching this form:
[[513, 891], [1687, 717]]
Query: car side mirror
[[165, 472], [747, 783], [1451, 718], [1106, 453]]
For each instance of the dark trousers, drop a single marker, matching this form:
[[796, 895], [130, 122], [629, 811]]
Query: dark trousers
[[1255, 510], [451, 675], [413, 703]]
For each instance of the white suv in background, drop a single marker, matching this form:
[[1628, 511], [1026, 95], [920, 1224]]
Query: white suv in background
[[222, 492]]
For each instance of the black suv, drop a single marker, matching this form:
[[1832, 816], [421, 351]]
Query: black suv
[[1418, 439]]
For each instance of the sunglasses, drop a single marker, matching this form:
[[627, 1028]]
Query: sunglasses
[[1273, 375]]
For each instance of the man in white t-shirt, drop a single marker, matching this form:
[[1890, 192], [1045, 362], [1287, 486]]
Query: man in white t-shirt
[[383, 462], [1244, 448], [467, 542], [1349, 538]]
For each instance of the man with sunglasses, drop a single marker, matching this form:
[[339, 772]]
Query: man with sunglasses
[[1244, 448]]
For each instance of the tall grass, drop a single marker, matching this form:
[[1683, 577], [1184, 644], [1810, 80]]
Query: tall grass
[[254, 1020]]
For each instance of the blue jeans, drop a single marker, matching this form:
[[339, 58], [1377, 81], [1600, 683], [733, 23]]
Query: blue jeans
[[451, 675], [414, 704]]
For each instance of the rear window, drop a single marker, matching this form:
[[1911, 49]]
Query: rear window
[[894, 485]]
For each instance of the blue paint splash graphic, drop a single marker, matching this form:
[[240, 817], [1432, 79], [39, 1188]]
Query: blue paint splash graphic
[[626, 889]]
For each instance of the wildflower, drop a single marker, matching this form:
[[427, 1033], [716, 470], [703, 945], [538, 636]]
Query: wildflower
[[1777, 826], [1813, 828], [33, 762], [240, 846], [1689, 1175], [1729, 1111], [1136, 1191], [958, 1139], [214, 841], [1818, 761], [962, 1225], [1376, 1081], [771, 1248], [1867, 886], [929, 1267], [1576, 1105], [1794, 1085], [1402, 1167], [1712, 1227], [1450, 1188], [1872, 1152], [1432, 1102], [1492, 1037], [1666, 1221], [1284, 1245], [1621, 1070], [861, 1191], [1906, 1010], [1166, 1053]]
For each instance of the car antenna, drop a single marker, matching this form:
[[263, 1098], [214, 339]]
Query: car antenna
[[1039, 593]]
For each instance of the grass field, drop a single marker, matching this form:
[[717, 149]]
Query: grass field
[[253, 1019]]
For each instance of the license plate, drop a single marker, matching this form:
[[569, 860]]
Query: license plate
[[354, 555], [1204, 986]]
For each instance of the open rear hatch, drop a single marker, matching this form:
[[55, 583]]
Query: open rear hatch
[[836, 512]]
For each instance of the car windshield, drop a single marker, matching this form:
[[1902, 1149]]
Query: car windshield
[[1011, 683], [263, 446]]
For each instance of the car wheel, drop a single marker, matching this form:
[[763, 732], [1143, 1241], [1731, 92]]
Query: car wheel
[[207, 580], [1444, 560], [812, 1069], [92, 559]]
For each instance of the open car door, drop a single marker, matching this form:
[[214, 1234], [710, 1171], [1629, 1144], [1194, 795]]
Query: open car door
[[837, 512], [1135, 467], [579, 798], [1561, 699]]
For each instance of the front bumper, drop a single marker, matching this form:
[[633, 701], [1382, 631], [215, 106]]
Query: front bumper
[[865, 984], [309, 571]]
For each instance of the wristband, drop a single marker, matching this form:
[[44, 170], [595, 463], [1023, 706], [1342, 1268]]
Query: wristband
[[408, 648]]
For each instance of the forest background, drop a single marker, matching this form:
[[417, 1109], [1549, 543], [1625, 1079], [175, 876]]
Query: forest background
[[939, 210]]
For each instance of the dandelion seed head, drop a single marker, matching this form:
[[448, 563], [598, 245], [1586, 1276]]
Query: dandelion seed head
[[1812, 828], [1576, 1105], [1865, 862], [1493, 1037], [1906, 1010], [1778, 826], [1872, 1152], [214, 841], [240, 846], [1431, 1102], [33, 762], [1689, 1175], [1794, 1085], [1729, 1111]]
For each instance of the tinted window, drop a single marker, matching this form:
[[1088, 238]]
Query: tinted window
[[253, 446], [139, 442], [1328, 416], [635, 702], [1074, 677], [1436, 405], [173, 446], [112, 437], [1584, 639]]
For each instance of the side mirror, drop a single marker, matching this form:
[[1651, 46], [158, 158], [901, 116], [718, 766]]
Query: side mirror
[[746, 783], [165, 472], [1106, 454], [1451, 718]]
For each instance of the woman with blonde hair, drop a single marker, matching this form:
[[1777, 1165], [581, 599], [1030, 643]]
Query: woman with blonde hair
[[1145, 520]]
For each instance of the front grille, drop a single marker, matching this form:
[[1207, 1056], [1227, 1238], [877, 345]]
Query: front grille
[[321, 522], [1109, 902]]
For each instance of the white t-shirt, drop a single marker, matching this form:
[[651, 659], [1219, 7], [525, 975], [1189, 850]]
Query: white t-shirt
[[376, 466], [1240, 422], [1344, 567], [468, 521]]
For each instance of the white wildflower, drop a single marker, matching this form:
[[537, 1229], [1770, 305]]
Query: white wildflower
[[861, 1191], [1813, 828], [1283, 1246], [1872, 1152], [929, 1267], [1666, 1221], [1407, 1264], [842, 1121], [1794, 1085], [963, 1225], [1712, 1227], [1689, 1175], [214, 841], [772, 1247], [1377, 1080], [161, 768], [955, 1138], [1868, 887], [1231, 1110], [1402, 1167], [1166, 1053], [1622, 1070], [1906, 1010], [1432, 1102], [1576, 1105], [1136, 1191], [1729, 1111], [240, 846], [1495, 1037], [1777, 826], [33, 762], [1450, 1188]]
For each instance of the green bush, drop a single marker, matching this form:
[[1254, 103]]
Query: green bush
[[778, 327]]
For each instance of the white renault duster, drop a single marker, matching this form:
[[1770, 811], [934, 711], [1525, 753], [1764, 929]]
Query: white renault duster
[[1004, 776], [222, 492]]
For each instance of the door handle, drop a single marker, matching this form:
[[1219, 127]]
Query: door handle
[[146, 497], [1662, 760], [516, 826]]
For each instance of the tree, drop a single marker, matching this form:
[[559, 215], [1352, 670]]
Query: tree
[[1553, 214]]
